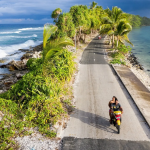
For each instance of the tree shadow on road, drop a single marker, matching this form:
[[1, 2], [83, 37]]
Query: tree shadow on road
[[94, 120]]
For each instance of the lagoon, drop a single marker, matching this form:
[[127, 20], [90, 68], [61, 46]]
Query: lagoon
[[140, 37]]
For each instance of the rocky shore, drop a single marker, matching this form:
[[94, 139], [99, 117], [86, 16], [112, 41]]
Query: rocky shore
[[138, 70], [18, 68]]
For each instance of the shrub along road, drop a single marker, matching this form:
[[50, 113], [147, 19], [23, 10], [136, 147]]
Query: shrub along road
[[89, 126]]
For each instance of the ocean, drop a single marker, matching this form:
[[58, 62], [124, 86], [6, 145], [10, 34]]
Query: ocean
[[140, 37], [16, 36]]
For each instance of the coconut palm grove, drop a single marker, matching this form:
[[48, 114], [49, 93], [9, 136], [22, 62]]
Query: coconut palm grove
[[40, 98]]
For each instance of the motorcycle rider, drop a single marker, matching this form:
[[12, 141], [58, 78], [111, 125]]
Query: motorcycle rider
[[109, 105], [115, 107]]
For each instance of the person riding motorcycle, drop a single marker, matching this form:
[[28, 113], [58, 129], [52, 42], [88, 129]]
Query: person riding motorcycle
[[116, 107], [109, 105]]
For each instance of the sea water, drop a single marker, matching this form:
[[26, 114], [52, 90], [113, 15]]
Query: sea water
[[140, 37], [16, 36]]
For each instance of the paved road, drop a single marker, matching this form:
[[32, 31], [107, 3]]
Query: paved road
[[95, 85]]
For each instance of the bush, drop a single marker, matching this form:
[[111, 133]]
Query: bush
[[119, 55], [36, 98], [117, 61]]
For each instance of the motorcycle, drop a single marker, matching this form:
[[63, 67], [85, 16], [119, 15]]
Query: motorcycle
[[116, 120]]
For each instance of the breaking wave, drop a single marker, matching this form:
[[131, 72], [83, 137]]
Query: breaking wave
[[38, 28], [34, 35], [10, 32], [7, 50]]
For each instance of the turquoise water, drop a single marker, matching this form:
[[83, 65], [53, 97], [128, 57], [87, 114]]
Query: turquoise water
[[14, 37], [140, 37]]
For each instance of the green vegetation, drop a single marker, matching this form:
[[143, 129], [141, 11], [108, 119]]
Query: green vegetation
[[145, 21], [137, 21], [113, 21], [56, 14], [65, 26], [116, 25], [80, 20], [122, 30], [119, 54], [39, 98]]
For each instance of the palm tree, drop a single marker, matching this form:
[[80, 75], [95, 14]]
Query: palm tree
[[53, 47], [93, 5], [110, 21], [55, 14], [122, 31]]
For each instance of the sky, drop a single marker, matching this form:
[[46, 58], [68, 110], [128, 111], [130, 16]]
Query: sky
[[39, 11]]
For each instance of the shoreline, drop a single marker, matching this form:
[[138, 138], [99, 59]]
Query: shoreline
[[16, 69], [136, 67]]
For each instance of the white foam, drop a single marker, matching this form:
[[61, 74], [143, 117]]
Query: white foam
[[7, 50], [38, 28], [10, 32], [2, 54], [4, 38], [34, 35]]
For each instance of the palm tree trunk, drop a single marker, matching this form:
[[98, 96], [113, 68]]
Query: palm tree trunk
[[110, 40], [113, 40], [80, 31], [117, 41], [84, 38]]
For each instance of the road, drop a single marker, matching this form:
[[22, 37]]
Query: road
[[95, 85]]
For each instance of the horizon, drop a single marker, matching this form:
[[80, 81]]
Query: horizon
[[39, 12]]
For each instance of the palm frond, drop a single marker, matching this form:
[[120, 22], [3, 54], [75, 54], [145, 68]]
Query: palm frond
[[64, 41], [127, 40], [55, 45], [105, 26], [106, 19], [48, 31], [110, 32], [52, 52]]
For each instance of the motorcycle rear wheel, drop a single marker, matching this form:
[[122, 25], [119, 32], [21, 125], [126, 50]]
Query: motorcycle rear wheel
[[118, 127]]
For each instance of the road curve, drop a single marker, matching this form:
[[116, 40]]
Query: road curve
[[95, 85]]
